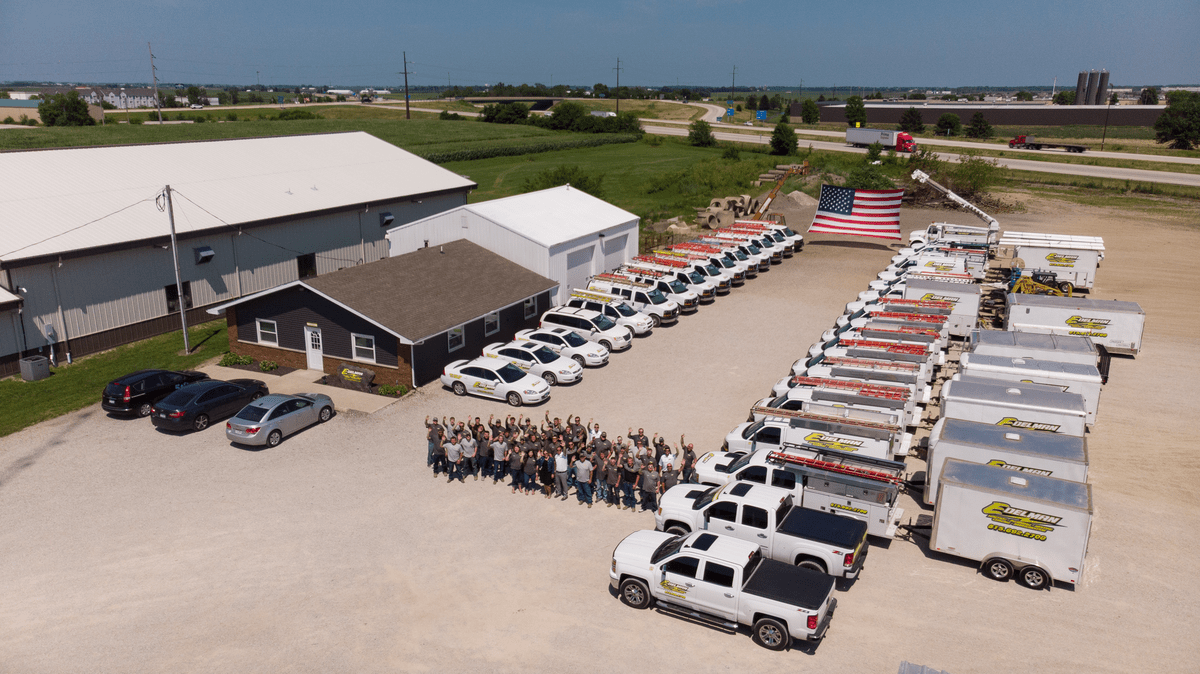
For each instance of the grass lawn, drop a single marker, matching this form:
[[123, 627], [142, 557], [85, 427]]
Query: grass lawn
[[646, 109], [72, 387]]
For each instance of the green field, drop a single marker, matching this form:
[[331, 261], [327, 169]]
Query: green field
[[72, 387]]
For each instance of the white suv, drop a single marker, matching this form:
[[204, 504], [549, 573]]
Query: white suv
[[640, 296], [591, 325]]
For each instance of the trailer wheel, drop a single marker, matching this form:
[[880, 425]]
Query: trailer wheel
[[634, 593], [1034, 578], [998, 569], [771, 634], [1066, 287]]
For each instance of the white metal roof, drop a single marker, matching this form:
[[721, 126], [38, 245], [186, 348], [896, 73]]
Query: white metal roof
[[51, 196], [552, 216], [7, 297]]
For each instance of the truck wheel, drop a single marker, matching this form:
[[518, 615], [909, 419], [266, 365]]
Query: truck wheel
[[655, 321], [634, 593], [1034, 578], [459, 389], [771, 634], [998, 569], [677, 530], [811, 564], [514, 399]]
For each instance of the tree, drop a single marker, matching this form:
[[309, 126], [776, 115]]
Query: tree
[[504, 113], [1023, 95], [600, 90], [979, 126], [874, 151], [67, 109], [764, 103], [1114, 99], [194, 94], [1178, 125], [868, 176], [783, 139], [949, 125], [973, 174], [700, 134], [1149, 96], [3, 94], [751, 103], [809, 112], [821, 98], [911, 121], [1065, 97], [916, 97], [855, 111], [567, 174]]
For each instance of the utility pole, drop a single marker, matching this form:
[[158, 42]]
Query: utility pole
[[733, 85], [258, 77], [178, 283], [407, 114], [154, 76], [618, 90]]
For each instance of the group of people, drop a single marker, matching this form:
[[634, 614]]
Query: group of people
[[553, 457]]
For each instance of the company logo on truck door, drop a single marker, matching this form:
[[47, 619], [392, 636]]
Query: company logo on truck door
[[934, 297], [1028, 524], [1057, 260], [832, 442], [1020, 469], [1028, 425], [674, 589]]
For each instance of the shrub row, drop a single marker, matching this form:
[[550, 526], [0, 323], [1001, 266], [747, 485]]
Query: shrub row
[[470, 154]]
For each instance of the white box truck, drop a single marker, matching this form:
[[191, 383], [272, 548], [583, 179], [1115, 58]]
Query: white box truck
[[889, 139], [1049, 454], [1021, 525], [1028, 407], [1067, 377], [1072, 263], [1035, 346], [964, 297], [1113, 324]]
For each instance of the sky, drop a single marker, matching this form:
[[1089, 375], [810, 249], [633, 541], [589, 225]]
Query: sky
[[921, 43]]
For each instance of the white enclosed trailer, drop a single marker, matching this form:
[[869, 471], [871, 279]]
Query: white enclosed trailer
[[1048, 454], [1067, 377], [1071, 262], [1113, 324], [1021, 525], [1036, 346], [964, 297], [1015, 406]]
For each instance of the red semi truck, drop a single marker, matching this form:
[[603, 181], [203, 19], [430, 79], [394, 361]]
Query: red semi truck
[[1031, 143]]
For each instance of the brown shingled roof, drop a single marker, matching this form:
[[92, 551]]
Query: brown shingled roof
[[427, 292]]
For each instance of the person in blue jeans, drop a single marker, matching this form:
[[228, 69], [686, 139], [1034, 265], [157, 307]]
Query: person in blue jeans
[[583, 480], [629, 479], [435, 438], [453, 449]]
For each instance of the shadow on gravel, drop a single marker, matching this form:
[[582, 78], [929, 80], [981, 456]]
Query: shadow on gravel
[[11, 471]]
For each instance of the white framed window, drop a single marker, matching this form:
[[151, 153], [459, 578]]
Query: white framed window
[[268, 332], [531, 307], [491, 323], [455, 339], [364, 347]]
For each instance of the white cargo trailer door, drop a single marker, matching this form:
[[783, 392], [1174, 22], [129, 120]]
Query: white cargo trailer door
[[579, 268]]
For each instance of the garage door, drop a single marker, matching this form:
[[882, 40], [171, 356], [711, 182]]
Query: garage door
[[614, 252], [579, 268]]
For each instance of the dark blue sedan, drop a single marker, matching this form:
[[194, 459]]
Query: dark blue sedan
[[195, 406]]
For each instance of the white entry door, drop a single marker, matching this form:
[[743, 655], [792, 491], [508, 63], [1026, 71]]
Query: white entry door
[[312, 348]]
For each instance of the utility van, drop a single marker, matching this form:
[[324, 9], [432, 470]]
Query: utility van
[[612, 306], [1021, 525], [680, 271], [844, 393], [1066, 377], [721, 257], [1062, 456], [672, 289], [776, 239], [820, 431], [780, 229], [1029, 407], [758, 240], [701, 264], [751, 252], [877, 369], [877, 349], [1113, 324], [641, 296]]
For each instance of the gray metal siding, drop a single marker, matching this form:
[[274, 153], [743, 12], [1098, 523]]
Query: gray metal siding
[[295, 308]]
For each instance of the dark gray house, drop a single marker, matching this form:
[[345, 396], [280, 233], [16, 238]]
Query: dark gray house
[[404, 317]]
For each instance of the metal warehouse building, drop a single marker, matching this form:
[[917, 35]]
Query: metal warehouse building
[[561, 233], [85, 255]]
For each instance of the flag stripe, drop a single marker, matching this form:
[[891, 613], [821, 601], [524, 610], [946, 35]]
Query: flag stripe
[[870, 213]]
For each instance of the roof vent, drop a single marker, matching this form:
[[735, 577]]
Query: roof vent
[[1014, 391], [1012, 436], [1018, 361], [1019, 481]]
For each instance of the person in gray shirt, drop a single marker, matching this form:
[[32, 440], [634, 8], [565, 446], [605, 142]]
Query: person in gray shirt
[[499, 449], [648, 483], [470, 448], [453, 449], [583, 480]]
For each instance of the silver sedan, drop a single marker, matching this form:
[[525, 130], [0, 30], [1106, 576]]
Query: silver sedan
[[267, 420]]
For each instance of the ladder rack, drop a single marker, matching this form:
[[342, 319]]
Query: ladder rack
[[698, 247], [595, 295], [651, 259], [896, 365], [835, 467], [945, 277], [864, 389], [645, 271], [891, 347], [924, 304], [912, 318], [826, 418], [623, 280]]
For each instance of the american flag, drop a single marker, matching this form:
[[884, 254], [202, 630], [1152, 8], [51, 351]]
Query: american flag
[[845, 210]]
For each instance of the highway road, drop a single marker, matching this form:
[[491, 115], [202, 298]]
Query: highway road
[[1139, 175]]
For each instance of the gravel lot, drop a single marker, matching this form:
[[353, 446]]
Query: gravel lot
[[126, 550]]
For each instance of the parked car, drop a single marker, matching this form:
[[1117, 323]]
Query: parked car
[[196, 405], [537, 359], [136, 393], [493, 378], [566, 342], [197, 106], [267, 420]]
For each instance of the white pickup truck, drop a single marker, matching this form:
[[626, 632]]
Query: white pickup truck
[[766, 516], [724, 581]]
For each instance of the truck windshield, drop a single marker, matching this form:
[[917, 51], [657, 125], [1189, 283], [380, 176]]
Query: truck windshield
[[545, 355], [742, 460], [754, 250], [696, 277], [656, 296], [624, 309], [788, 231], [740, 256], [712, 270], [778, 401], [706, 499], [668, 548], [751, 430], [725, 262], [510, 373], [779, 237], [604, 322], [677, 287], [574, 339]]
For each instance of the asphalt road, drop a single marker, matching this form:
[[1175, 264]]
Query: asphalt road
[[1139, 175]]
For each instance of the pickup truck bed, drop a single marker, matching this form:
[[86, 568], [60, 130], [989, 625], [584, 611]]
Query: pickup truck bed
[[835, 530], [789, 584]]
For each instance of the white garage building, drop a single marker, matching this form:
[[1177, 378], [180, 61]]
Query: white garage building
[[561, 233]]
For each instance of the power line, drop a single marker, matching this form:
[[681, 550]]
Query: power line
[[73, 229]]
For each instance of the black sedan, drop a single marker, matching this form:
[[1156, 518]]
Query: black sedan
[[196, 405], [136, 393]]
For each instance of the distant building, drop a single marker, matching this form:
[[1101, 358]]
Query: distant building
[[18, 107]]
